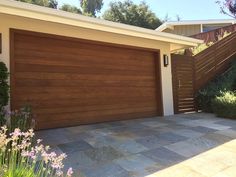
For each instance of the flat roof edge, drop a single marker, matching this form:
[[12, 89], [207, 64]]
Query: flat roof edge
[[151, 34]]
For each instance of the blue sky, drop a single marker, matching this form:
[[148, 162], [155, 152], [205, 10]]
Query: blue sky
[[186, 9]]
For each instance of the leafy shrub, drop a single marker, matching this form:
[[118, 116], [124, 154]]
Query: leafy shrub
[[206, 95], [225, 105], [19, 158], [200, 48], [223, 83], [224, 35], [4, 91]]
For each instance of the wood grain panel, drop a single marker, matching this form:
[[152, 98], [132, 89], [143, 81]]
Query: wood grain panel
[[71, 81], [192, 73], [183, 83]]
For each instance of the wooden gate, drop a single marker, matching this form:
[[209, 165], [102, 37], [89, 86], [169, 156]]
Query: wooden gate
[[183, 83]]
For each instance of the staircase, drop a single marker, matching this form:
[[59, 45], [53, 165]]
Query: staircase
[[191, 73], [214, 60]]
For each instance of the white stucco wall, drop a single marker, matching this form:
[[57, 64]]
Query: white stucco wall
[[9, 21]]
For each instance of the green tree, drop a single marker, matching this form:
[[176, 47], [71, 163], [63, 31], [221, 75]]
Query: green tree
[[129, 13], [70, 8], [91, 7], [46, 3], [227, 7]]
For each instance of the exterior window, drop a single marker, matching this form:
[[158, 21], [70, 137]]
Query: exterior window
[[207, 28]]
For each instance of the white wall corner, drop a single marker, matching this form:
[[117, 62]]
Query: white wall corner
[[167, 91]]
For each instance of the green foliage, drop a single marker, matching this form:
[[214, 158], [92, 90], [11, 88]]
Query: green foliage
[[4, 91], [204, 46], [225, 105], [22, 119], [70, 8], [200, 48], [227, 7], [129, 13], [91, 7], [46, 3], [206, 95], [215, 88], [224, 35]]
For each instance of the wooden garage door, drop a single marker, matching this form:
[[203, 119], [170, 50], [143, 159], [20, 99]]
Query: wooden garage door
[[70, 81]]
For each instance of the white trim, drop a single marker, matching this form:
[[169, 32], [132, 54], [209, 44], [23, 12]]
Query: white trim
[[17, 8], [194, 22], [201, 28]]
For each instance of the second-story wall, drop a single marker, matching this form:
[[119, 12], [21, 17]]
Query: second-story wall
[[184, 30]]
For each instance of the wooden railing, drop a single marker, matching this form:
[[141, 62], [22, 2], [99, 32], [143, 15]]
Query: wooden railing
[[213, 35], [214, 60], [203, 67]]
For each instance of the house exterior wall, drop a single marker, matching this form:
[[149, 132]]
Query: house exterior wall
[[8, 21], [185, 30], [209, 27]]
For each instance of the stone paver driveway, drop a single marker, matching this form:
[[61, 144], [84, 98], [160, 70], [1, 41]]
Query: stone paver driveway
[[138, 148]]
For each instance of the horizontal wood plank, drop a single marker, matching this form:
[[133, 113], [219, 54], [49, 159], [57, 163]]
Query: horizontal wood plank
[[70, 81]]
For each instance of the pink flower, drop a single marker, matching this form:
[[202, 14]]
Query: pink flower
[[59, 173], [16, 133], [69, 172], [39, 141]]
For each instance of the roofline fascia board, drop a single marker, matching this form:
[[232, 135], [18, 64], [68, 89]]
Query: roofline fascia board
[[198, 22], [57, 16], [194, 22]]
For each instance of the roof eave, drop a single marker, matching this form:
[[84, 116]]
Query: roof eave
[[53, 15]]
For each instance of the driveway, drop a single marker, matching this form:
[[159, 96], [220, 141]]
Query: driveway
[[138, 148]]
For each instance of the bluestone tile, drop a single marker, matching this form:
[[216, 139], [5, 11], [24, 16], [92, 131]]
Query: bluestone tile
[[129, 147], [107, 170], [152, 142], [171, 137], [135, 163], [163, 156], [202, 129], [188, 133], [192, 147], [229, 133], [103, 154], [74, 146]]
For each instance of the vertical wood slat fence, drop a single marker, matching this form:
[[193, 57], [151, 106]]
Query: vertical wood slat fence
[[191, 73], [183, 83]]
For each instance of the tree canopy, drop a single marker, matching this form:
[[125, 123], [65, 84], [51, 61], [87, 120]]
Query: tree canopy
[[70, 8], [228, 7], [47, 3], [91, 7], [126, 12], [129, 13]]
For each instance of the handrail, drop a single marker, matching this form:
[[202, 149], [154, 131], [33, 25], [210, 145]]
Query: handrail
[[212, 36], [211, 61]]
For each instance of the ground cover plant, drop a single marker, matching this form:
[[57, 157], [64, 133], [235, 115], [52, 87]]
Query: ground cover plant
[[20, 158], [225, 105], [220, 94]]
